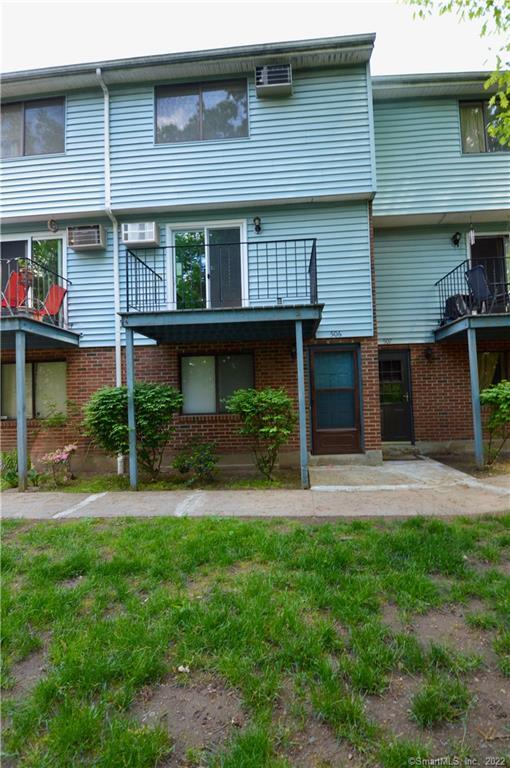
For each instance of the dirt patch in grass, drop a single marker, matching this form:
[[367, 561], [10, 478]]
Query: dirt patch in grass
[[485, 731], [199, 713], [202, 583], [390, 615], [447, 626], [27, 673]]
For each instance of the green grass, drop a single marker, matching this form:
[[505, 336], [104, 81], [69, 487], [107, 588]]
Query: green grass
[[119, 604]]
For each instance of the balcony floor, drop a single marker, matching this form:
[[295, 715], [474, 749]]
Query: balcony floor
[[232, 324], [494, 327], [39, 335]]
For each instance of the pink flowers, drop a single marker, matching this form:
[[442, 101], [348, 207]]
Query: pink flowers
[[59, 462]]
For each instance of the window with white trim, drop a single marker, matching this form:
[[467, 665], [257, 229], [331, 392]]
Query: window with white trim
[[45, 389], [208, 380], [33, 127]]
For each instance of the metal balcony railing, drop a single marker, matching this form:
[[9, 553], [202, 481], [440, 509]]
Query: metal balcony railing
[[472, 289], [218, 275], [31, 289]]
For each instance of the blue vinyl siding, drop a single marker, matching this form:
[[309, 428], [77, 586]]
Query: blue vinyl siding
[[420, 165], [73, 181], [316, 142], [408, 262]]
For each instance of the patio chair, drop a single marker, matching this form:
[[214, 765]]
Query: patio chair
[[15, 294], [483, 298], [52, 304]]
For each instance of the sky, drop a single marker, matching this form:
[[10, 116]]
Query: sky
[[72, 32]]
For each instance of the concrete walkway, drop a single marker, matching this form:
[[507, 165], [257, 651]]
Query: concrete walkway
[[397, 488]]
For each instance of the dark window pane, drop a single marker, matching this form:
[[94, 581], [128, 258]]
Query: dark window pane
[[335, 409], [190, 269], [44, 127], [12, 130], [472, 128], [334, 369], [225, 111], [492, 115], [178, 114], [234, 372]]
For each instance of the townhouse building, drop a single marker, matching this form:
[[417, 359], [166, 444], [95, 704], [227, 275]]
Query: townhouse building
[[260, 216]]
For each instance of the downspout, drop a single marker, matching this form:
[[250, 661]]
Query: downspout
[[115, 227]]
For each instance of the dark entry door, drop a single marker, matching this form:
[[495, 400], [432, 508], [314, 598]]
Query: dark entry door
[[395, 394], [490, 252], [335, 401], [11, 251], [225, 267]]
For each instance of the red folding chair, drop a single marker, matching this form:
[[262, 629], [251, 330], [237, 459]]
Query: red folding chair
[[15, 293], [52, 304]]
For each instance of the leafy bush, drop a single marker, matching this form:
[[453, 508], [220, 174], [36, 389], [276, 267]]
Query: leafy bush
[[497, 399], [199, 460], [268, 418], [106, 421], [9, 467]]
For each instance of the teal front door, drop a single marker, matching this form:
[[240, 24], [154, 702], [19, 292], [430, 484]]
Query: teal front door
[[335, 401]]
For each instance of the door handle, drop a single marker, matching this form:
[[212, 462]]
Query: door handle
[[405, 397]]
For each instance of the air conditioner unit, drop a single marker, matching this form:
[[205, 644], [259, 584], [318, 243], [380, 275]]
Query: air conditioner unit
[[89, 237], [273, 80], [143, 233]]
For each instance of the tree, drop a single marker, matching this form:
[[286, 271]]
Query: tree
[[495, 18], [497, 401]]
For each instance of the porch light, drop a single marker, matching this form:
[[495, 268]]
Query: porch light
[[456, 238], [257, 224]]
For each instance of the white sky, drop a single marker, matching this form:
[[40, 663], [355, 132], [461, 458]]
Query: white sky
[[42, 34]]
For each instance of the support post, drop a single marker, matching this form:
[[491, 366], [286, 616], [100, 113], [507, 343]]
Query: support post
[[475, 397], [21, 411], [303, 448], [130, 377]]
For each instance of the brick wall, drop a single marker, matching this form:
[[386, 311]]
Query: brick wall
[[441, 389]]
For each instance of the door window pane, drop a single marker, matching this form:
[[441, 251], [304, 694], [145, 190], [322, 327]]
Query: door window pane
[[198, 384], [50, 389], [234, 372], [472, 128], [225, 111], [178, 114], [334, 369], [190, 269], [335, 409], [12, 130], [9, 390], [44, 127]]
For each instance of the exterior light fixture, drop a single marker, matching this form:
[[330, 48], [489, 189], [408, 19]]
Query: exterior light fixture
[[456, 238], [257, 224], [52, 225], [429, 354]]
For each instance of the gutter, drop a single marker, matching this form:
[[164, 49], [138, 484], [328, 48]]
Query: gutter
[[115, 228]]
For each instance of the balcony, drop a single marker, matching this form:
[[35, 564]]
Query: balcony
[[475, 295]]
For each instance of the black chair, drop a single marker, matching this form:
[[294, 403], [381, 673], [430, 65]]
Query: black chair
[[482, 298]]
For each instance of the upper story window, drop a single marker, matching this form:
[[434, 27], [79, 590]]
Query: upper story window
[[475, 116], [201, 112], [33, 128]]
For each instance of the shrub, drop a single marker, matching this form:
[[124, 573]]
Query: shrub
[[497, 399], [268, 418], [199, 460], [106, 421], [59, 462], [9, 467]]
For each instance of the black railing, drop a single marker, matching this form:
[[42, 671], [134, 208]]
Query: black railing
[[468, 289], [32, 289], [236, 274]]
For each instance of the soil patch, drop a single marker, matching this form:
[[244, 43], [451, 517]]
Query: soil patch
[[448, 626], [27, 674], [198, 713], [485, 731], [390, 616]]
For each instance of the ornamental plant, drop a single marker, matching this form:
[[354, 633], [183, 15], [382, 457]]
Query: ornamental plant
[[106, 421], [198, 460], [59, 462], [497, 400], [268, 418]]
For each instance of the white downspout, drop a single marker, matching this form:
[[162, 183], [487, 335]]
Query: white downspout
[[115, 227]]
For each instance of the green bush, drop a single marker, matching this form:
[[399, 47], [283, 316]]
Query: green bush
[[268, 418], [9, 467], [497, 400], [197, 459], [106, 421]]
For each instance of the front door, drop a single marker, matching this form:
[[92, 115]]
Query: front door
[[225, 267], [335, 401], [395, 394]]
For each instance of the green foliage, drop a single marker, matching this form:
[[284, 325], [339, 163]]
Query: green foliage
[[494, 16], [106, 421], [9, 467], [497, 400], [396, 754], [268, 418], [198, 460], [442, 699]]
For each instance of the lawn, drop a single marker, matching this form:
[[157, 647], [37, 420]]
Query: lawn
[[255, 644]]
